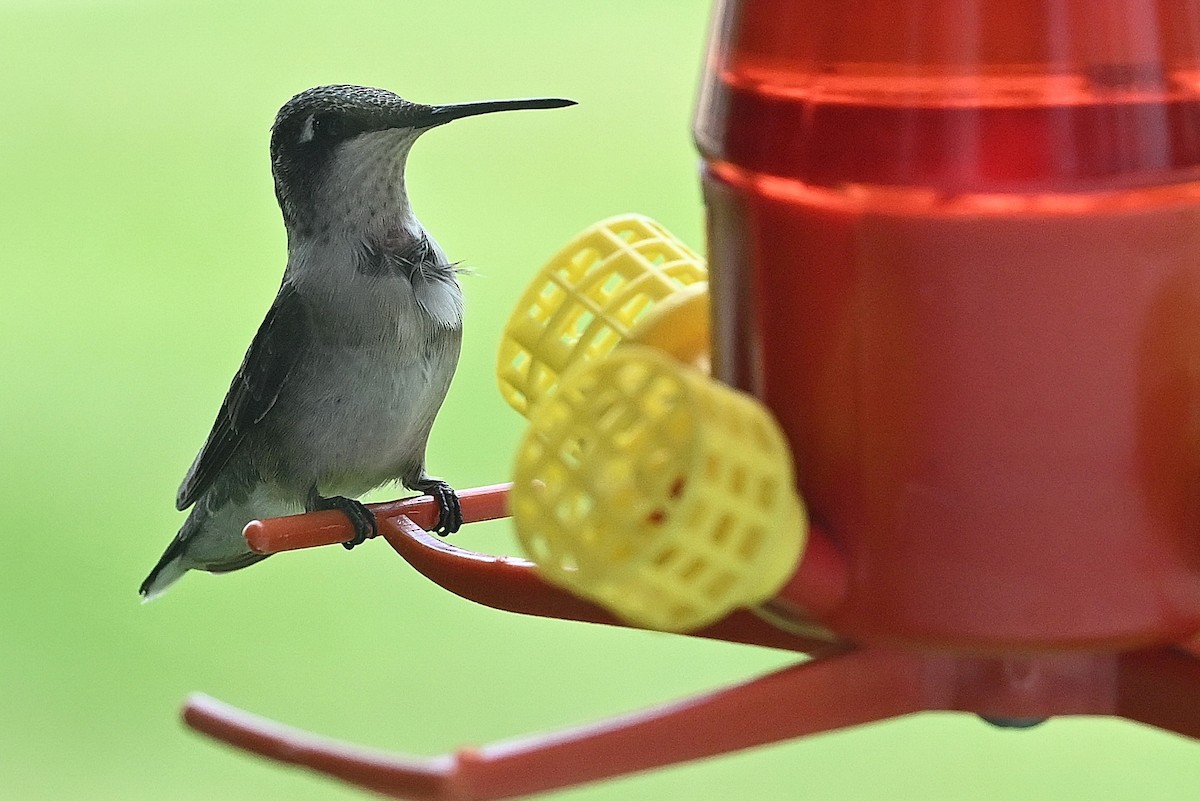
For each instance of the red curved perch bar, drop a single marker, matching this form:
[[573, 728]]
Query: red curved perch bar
[[512, 584], [328, 528], [822, 695], [1158, 687]]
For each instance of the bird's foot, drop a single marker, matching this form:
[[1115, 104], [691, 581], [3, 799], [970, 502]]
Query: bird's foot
[[360, 517], [450, 518]]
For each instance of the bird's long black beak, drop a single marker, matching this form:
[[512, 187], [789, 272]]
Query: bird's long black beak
[[440, 115]]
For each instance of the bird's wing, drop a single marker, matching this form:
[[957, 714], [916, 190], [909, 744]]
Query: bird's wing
[[273, 354]]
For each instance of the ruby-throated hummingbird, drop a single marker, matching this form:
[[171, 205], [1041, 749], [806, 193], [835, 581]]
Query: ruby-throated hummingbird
[[338, 391]]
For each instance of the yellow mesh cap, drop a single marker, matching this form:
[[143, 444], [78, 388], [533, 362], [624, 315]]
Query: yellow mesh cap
[[587, 299], [662, 495]]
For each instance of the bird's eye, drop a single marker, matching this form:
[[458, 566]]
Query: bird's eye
[[319, 126]]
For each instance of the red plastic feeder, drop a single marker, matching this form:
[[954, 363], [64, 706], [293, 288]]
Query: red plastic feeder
[[955, 248]]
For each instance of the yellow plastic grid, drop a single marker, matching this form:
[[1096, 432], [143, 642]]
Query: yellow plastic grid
[[662, 495], [587, 299]]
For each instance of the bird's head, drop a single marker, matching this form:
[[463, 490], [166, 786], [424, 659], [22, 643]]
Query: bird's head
[[338, 145]]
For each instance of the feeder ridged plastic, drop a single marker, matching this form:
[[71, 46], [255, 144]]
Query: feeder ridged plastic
[[647, 487], [587, 299]]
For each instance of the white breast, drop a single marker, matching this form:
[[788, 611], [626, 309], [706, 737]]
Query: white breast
[[385, 347]]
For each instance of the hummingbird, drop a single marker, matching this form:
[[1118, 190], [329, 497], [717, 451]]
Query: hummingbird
[[338, 391]]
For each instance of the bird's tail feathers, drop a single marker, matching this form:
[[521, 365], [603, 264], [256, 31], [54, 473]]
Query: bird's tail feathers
[[176, 559], [168, 570], [173, 563]]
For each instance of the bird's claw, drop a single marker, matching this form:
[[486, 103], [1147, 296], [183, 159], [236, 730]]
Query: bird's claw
[[360, 516], [363, 521], [450, 517]]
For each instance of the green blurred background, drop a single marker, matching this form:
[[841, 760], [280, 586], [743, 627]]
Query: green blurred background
[[140, 246]]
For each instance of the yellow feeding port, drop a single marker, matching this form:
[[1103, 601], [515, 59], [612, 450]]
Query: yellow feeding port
[[587, 299], [656, 492]]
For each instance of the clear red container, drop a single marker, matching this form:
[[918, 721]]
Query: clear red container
[[955, 247]]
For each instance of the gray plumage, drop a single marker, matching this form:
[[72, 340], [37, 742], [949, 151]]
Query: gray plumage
[[338, 391]]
